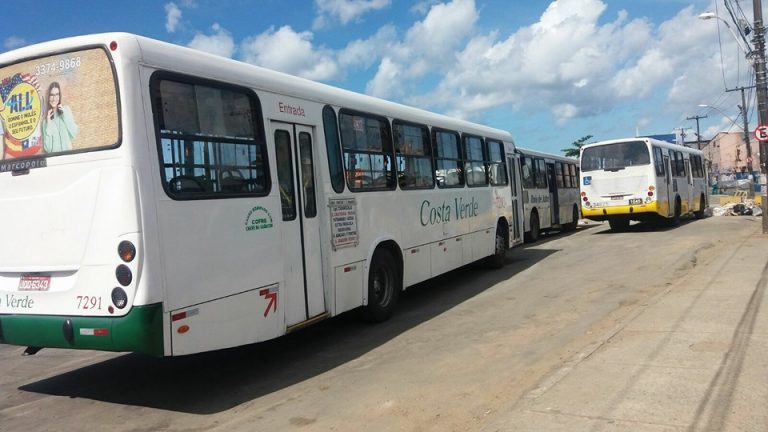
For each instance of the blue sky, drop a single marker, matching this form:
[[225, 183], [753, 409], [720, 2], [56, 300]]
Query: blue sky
[[550, 72]]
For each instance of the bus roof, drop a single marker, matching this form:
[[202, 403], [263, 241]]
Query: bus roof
[[557, 157], [658, 143], [166, 56]]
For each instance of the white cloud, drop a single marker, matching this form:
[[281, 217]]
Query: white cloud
[[13, 42], [428, 46], [172, 17], [345, 10], [291, 52], [364, 52], [219, 43]]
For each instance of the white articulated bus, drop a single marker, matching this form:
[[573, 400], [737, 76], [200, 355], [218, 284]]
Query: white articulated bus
[[550, 192], [642, 179], [158, 199]]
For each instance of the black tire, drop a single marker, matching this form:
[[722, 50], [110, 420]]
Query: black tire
[[534, 232], [699, 214], [500, 244], [618, 224], [384, 285], [675, 220], [570, 226]]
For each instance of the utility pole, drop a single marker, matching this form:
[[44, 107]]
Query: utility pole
[[698, 135], [682, 134], [743, 108], [762, 97]]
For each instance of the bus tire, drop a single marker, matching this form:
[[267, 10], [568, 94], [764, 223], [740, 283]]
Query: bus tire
[[618, 224], [384, 284], [675, 220], [699, 214], [533, 234], [570, 226], [500, 244]]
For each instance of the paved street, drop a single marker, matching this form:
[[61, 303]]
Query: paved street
[[647, 330]]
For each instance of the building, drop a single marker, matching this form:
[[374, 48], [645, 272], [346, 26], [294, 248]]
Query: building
[[727, 153]]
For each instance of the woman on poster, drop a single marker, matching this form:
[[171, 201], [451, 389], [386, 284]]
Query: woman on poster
[[59, 128]]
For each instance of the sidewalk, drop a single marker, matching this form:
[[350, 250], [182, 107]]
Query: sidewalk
[[694, 358]]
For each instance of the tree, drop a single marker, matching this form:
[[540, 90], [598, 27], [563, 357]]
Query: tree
[[573, 151]]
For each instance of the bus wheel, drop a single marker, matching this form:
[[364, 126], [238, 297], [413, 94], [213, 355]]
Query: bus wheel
[[618, 224], [533, 234], [570, 226], [499, 257], [699, 214], [675, 221], [383, 287]]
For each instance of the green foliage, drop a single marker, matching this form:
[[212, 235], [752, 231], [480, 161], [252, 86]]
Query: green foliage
[[573, 151]]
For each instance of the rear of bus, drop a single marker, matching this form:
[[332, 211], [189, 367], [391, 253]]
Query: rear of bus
[[71, 250], [618, 182]]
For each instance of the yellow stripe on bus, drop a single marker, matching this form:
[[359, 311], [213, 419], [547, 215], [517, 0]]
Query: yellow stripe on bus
[[652, 207]]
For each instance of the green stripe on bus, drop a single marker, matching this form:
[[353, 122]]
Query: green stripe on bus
[[141, 330]]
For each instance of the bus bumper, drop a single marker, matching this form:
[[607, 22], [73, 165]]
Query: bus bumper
[[141, 330], [603, 213]]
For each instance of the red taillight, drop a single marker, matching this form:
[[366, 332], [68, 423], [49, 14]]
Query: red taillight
[[113, 46], [126, 250], [650, 193], [585, 199]]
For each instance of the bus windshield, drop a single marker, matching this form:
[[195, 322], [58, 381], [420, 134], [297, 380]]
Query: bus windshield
[[615, 156], [58, 104]]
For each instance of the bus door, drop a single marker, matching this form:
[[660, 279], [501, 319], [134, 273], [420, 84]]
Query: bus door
[[554, 204], [669, 198], [302, 292], [688, 204], [515, 227]]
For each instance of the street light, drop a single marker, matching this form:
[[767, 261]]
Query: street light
[[721, 112], [712, 15]]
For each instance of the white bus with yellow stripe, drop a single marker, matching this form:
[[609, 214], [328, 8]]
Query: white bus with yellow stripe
[[162, 200], [641, 179]]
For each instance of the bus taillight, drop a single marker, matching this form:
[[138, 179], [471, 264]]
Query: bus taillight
[[126, 250]]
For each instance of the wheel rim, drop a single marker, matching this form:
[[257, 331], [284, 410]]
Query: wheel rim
[[383, 286]]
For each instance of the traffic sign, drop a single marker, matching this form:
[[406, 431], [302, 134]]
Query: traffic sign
[[761, 133]]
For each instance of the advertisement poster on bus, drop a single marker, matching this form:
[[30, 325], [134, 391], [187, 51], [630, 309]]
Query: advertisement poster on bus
[[58, 104]]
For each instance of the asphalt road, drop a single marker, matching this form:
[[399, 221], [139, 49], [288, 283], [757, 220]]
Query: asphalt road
[[460, 350]]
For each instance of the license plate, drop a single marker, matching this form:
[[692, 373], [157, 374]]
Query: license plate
[[34, 283], [635, 201], [617, 197]]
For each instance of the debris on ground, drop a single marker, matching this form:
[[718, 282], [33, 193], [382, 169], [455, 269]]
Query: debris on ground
[[746, 208]]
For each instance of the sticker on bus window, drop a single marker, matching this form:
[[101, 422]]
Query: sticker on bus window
[[58, 104]]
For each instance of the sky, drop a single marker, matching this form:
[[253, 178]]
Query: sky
[[549, 72]]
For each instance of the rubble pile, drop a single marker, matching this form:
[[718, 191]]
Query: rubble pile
[[747, 208]]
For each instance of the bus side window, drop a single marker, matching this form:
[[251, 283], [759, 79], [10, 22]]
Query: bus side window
[[541, 174], [497, 168], [561, 180], [527, 173], [414, 159], [658, 161], [211, 141], [474, 165], [448, 160], [367, 144]]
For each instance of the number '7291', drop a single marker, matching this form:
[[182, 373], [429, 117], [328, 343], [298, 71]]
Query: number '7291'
[[88, 302]]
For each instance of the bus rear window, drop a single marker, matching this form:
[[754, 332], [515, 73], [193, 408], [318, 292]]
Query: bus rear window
[[59, 104], [615, 156]]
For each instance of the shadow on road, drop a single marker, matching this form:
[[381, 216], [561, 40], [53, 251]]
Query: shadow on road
[[213, 382]]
